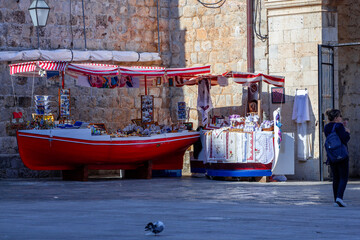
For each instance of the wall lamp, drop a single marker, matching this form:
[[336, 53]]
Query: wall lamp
[[39, 12]]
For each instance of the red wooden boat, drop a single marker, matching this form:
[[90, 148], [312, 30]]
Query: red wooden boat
[[69, 149]]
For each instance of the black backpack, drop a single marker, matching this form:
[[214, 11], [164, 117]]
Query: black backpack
[[336, 151]]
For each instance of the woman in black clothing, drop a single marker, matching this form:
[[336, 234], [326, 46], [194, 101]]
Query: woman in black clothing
[[340, 170]]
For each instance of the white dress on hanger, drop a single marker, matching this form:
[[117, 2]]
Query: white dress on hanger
[[301, 115]]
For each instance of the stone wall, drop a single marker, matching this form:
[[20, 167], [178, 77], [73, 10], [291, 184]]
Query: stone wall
[[349, 73], [110, 25]]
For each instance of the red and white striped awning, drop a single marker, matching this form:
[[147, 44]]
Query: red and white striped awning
[[191, 71], [92, 69], [18, 68], [142, 71], [76, 69], [32, 68], [52, 66], [243, 78]]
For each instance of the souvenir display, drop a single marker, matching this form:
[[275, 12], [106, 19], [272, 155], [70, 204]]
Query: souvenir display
[[42, 118], [148, 130], [267, 125], [236, 123], [41, 121], [147, 108], [64, 103], [181, 111], [42, 104]]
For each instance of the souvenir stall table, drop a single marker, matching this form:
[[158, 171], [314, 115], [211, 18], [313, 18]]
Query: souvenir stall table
[[240, 146], [139, 148], [229, 152]]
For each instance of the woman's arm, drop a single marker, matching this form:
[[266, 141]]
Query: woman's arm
[[343, 134]]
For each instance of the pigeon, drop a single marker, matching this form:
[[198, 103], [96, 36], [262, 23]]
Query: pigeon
[[155, 228]]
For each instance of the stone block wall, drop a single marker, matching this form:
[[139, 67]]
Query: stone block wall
[[295, 30], [110, 25], [349, 73]]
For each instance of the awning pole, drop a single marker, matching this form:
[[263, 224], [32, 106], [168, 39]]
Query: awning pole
[[62, 79], [145, 85]]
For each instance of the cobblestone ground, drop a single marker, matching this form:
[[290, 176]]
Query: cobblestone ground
[[191, 208]]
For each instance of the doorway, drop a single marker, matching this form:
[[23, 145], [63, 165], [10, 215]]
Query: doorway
[[326, 92]]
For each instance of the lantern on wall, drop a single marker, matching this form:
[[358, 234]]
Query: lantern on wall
[[39, 12]]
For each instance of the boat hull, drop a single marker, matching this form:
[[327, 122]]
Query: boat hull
[[75, 148]]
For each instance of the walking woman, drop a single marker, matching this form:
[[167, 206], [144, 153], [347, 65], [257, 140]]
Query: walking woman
[[340, 170]]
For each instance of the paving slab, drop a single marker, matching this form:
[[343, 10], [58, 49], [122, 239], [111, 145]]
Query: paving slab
[[191, 208]]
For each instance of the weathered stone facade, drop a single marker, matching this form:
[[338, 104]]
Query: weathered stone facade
[[295, 30], [349, 72], [190, 35]]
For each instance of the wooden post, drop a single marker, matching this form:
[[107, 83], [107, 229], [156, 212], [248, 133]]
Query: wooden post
[[63, 79], [145, 85]]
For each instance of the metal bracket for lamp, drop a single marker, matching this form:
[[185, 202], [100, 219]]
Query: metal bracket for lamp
[[39, 12]]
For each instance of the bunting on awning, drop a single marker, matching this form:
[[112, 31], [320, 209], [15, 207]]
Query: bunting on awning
[[142, 71], [93, 69], [179, 76], [191, 71], [244, 78]]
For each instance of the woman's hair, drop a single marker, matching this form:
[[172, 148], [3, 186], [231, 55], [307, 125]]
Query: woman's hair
[[332, 114]]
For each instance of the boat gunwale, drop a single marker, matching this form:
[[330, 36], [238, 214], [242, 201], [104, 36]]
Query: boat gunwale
[[110, 142]]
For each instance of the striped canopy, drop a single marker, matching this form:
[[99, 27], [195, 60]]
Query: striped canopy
[[142, 71], [30, 69], [180, 76], [92, 69], [189, 72], [243, 78]]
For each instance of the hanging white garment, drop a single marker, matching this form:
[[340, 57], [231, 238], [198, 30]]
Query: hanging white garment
[[303, 141], [301, 110], [301, 115], [204, 103]]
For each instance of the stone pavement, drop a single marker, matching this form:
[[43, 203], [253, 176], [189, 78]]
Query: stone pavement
[[191, 208]]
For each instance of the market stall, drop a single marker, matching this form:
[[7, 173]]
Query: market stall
[[241, 146], [143, 145]]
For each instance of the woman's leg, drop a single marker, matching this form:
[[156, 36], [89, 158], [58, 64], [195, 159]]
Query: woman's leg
[[343, 168], [336, 179]]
